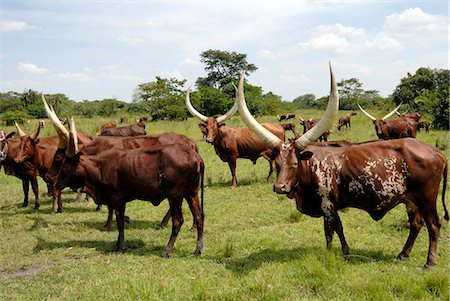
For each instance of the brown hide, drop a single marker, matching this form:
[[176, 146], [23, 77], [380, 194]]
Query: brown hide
[[396, 128], [172, 171], [232, 143], [344, 121], [309, 124], [137, 129], [373, 176]]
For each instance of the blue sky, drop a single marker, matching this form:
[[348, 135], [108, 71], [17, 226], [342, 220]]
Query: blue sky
[[96, 50]]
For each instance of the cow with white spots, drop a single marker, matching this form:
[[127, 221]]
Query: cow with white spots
[[373, 176]]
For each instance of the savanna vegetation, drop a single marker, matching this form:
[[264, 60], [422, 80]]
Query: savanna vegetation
[[257, 245]]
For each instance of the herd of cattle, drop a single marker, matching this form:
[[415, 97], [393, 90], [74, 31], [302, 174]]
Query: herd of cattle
[[323, 177]]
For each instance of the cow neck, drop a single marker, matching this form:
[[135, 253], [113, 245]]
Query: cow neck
[[88, 170]]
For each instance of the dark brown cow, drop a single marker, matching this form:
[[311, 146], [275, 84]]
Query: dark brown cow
[[289, 127], [107, 125], [41, 152], [286, 116], [136, 129], [115, 177], [9, 147], [309, 124], [415, 116], [393, 129], [344, 121], [424, 125], [232, 143], [373, 176]]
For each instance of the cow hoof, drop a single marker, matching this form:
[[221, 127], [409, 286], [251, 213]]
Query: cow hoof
[[36, 206], [429, 266], [165, 255], [59, 210], [106, 228], [25, 204], [197, 253], [402, 256], [119, 248]]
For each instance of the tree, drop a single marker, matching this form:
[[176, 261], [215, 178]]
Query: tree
[[164, 98], [223, 67], [305, 101], [349, 92], [426, 91]]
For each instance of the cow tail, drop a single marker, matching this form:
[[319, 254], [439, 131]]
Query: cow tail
[[444, 186], [202, 177]]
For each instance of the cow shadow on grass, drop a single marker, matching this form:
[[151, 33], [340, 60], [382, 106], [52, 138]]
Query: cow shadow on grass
[[255, 260], [98, 245], [133, 224]]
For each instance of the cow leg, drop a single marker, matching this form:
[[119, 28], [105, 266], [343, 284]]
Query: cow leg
[[177, 222], [232, 165], [340, 232], [433, 223], [271, 168], [194, 205], [415, 224], [78, 198], [120, 214], [60, 207], [107, 226], [54, 193], [165, 220], [25, 187], [35, 188]]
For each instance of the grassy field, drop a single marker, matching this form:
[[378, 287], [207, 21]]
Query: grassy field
[[257, 245]]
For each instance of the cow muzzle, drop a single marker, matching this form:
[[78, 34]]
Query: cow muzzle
[[281, 188]]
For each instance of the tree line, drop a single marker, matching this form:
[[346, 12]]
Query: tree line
[[426, 91]]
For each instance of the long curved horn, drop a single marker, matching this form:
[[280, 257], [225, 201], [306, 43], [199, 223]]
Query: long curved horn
[[19, 130], [72, 147], [365, 113], [57, 124], [41, 125], [392, 112], [327, 119], [202, 117], [263, 133], [191, 109]]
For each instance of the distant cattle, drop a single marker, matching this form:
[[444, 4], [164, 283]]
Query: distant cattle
[[232, 143], [424, 125], [393, 129], [115, 177], [344, 121], [107, 125], [415, 116], [374, 176], [123, 119], [136, 129], [310, 123], [286, 116]]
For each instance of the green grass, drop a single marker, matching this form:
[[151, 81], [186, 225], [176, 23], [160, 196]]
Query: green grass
[[257, 245]]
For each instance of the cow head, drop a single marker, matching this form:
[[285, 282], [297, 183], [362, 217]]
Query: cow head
[[27, 143], [63, 135], [289, 155], [380, 124], [67, 176], [209, 126], [4, 145]]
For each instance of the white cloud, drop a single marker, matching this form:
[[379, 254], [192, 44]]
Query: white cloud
[[190, 62], [384, 43], [339, 29], [31, 68], [131, 40], [74, 77], [171, 74], [11, 25], [295, 78], [415, 20], [326, 42]]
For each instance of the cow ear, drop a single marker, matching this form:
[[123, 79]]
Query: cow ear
[[201, 125], [10, 135], [35, 141], [306, 155], [221, 124]]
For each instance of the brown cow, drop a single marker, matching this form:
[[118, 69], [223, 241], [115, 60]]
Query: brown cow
[[393, 129], [344, 121], [136, 129], [415, 115], [9, 147], [286, 116], [41, 152], [424, 125], [373, 176], [309, 124], [232, 143], [172, 171]]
